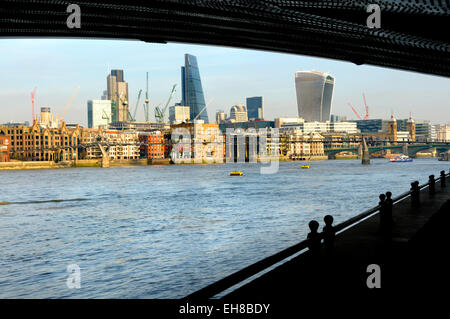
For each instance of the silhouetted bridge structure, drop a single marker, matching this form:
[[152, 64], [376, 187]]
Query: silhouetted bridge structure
[[407, 148]]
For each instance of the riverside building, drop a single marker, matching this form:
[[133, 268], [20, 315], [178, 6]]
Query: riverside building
[[42, 143], [4, 147], [206, 143]]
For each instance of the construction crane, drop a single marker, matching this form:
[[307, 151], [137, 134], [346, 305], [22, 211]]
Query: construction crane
[[146, 109], [69, 103], [354, 111], [196, 117], [133, 118], [367, 108], [61, 118], [160, 113], [33, 94], [366, 117]]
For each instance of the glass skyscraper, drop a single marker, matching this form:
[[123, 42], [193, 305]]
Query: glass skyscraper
[[192, 91], [314, 95], [255, 108]]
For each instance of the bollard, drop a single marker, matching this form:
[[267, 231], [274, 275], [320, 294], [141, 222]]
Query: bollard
[[314, 238], [431, 186], [329, 234], [388, 211], [442, 178], [415, 193]]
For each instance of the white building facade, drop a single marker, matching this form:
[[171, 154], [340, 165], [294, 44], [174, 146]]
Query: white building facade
[[99, 113]]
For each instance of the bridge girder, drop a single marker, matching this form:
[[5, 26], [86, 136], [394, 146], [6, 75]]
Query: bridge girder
[[410, 37]]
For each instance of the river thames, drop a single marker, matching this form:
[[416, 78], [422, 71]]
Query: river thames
[[166, 231]]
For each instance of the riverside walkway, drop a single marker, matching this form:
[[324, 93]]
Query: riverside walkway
[[409, 251]]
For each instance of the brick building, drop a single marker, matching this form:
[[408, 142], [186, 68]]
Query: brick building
[[155, 148], [37, 143], [4, 147]]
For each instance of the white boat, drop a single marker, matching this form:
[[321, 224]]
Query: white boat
[[401, 159]]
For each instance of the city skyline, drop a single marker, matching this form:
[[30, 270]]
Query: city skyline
[[229, 76]]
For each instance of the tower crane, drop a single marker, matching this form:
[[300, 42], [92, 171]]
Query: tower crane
[[366, 117], [160, 113], [33, 94], [204, 108], [69, 103], [354, 111], [136, 106], [146, 109]]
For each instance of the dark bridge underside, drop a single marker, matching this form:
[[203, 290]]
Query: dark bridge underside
[[413, 34]]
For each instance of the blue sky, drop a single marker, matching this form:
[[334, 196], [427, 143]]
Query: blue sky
[[229, 75]]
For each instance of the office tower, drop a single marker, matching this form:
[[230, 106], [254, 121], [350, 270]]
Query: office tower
[[117, 93], [192, 91], [221, 117], [118, 74], [238, 113], [179, 114], [255, 108], [99, 113], [314, 95]]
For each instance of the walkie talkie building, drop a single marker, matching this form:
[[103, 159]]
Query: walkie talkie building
[[192, 91], [314, 95]]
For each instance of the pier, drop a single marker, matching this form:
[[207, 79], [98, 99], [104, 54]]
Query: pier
[[397, 247]]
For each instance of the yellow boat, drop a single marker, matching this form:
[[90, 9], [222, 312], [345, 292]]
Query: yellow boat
[[236, 174], [305, 166]]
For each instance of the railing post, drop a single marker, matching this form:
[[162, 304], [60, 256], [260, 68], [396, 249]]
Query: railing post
[[382, 205], [388, 211], [329, 234], [431, 185], [415, 193], [314, 239], [442, 178]]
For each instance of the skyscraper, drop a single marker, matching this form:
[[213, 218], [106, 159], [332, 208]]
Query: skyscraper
[[117, 93], [118, 74], [255, 108], [192, 91], [314, 95]]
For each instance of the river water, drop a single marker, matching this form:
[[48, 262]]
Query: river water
[[166, 231]]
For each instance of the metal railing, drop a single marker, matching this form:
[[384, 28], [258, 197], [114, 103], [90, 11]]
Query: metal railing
[[231, 280]]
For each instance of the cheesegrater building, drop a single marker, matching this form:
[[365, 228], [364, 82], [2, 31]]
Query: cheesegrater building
[[192, 90]]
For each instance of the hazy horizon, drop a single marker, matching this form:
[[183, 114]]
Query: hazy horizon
[[229, 75]]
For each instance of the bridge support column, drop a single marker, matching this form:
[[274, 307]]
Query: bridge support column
[[365, 158], [405, 149], [105, 156]]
